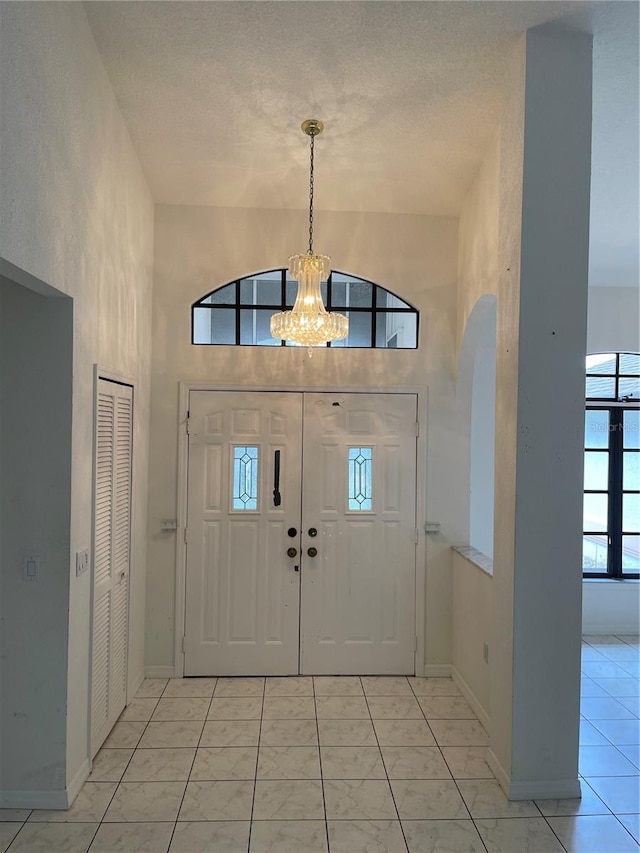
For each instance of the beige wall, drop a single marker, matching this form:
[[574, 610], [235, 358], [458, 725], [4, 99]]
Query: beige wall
[[198, 249], [76, 214]]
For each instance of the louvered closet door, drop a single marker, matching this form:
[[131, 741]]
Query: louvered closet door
[[112, 548]]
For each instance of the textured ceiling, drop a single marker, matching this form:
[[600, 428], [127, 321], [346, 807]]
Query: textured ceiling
[[213, 94]]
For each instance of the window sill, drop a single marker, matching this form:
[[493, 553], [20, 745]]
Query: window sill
[[476, 558]]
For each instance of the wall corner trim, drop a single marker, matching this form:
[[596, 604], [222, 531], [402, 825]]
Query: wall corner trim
[[437, 670], [73, 789], [478, 708], [159, 672]]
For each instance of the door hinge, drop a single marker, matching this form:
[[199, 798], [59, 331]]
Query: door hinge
[[184, 644], [417, 428], [186, 424], [186, 535]]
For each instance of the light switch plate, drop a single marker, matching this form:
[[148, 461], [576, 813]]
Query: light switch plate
[[31, 569]]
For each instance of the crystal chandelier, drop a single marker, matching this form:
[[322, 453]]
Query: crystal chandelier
[[309, 323]]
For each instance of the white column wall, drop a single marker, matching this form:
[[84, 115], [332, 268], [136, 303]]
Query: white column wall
[[542, 296], [75, 214]]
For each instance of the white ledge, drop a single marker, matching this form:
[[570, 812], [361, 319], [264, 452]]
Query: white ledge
[[476, 557]]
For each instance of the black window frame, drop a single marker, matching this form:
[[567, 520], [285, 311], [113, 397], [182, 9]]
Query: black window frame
[[237, 306], [616, 407]]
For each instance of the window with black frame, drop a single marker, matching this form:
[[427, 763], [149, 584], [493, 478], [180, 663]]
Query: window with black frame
[[238, 313], [611, 508]]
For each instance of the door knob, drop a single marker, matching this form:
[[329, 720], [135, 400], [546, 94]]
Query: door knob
[[292, 532], [313, 531], [312, 552], [291, 552]]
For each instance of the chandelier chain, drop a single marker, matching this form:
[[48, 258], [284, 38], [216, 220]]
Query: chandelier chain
[[311, 197]]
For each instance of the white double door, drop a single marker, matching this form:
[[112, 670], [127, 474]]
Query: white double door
[[301, 534]]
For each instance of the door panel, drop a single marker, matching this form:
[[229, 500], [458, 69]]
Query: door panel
[[357, 598], [242, 593], [351, 607]]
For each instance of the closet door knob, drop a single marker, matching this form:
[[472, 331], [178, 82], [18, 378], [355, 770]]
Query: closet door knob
[[312, 552]]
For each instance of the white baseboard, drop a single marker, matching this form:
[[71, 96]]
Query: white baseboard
[[59, 799], [437, 670], [599, 629], [34, 799], [158, 672], [478, 708], [552, 789], [73, 788]]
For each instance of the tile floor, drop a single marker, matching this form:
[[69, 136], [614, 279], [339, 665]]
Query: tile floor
[[346, 765]]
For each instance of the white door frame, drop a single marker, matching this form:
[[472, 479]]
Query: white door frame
[[185, 386]]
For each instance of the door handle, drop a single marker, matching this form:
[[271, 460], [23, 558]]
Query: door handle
[[277, 499], [312, 552], [313, 532], [291, 552]]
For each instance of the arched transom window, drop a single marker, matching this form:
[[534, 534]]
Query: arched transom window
[[238, 313]]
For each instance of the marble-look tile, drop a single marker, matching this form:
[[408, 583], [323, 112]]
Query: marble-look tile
[[403, 733], [249, 708], [138, 710], [352, 762], [346, 733], [620, 732], [434, 686], [140, 802], [239, 687], [225, 763], [288, 800], [288, 762], [604, 761], [289, 685], [160, 765], [133, 838], [151, 688], [632, 824], [604, 669], [394, 708], [8, 831], [620, 793], [211, 837], [631, 752], [170, 710], [593, 834], [485, 798], [632, 703], [54, 838], [109, 765], [190, 688], [230, 733], [631, 668], [124, 736], [621, 652], [342, 708], [446, 708], [426, 799], [619, 688], [467, 762], [220, 800], [414, 762], [589, 653], [289, 733], [14, 815], [90, 805], [288, 836], [179, 734], [437, 836], [289, 708], [337, 685], [589, 803], [386, 685], [590, 736], [604, 709], [358, 799], [524, 835], [589, 688], [365, 836], [459, 733]]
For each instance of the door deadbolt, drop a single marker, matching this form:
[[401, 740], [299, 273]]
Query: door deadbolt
[[291, 552], [312, 552]]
